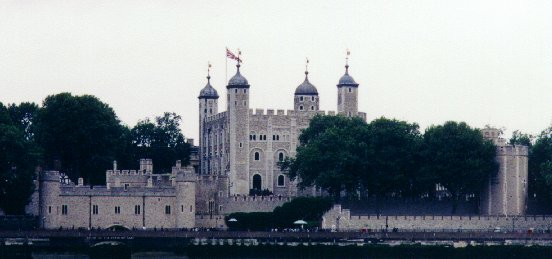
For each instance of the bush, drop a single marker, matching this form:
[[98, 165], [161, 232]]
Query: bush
[[306, 208]]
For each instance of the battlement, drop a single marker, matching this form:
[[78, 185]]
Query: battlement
[[216, 117], [513, 150], [270, 112], [241, 203], [50, 176], [127, 172]]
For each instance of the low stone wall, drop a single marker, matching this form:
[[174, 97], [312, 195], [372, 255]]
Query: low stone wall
[[207, 221], [251, 203], [341, 219]]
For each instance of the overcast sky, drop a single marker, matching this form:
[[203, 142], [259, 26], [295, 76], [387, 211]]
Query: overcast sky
[[483, 62]]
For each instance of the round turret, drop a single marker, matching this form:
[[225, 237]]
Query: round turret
[[306, 88], [208, 92], [238, 81], [346, 79]]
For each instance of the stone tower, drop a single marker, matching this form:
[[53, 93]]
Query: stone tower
[[208, 105], [238, 116], [49, 188], [506, 192], [347, 94], [185, 196], [306, 96]]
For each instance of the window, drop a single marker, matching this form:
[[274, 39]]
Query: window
[[240, 144], [301, 107], [126, 186], [181, 208], [137, 209], [244, 103], [95, 209], [257, 156], [235, 90], [281, 180], [312, 108], [167, 209], [63, 209], [312, 98], [301, 98], [191, 208], [244, 91], [349, 89], [280, 156], [277, 137], [49, 209], [117, 210]]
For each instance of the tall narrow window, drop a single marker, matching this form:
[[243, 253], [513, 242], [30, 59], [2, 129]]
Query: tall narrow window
[[167, 209], [95, 209], [281, 180], [64, 210], [137, 209], [257, 156], [49, 209], [117, 210]]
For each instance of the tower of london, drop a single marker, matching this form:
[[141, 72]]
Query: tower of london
[[245, 145]]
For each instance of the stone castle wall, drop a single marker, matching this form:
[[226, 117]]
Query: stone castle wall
[[341, 219]]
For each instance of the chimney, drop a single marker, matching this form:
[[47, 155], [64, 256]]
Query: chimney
[[81, 181], [114, 165], [178, 164]]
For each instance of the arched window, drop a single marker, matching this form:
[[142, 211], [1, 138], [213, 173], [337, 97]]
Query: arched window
[[312, 108], [257, 182], [301, 107], [281, 180], [257, 156], [301, 98], [280, 156], [312, 98], [349, 89]]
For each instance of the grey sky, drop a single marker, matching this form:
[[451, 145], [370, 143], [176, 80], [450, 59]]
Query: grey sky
[[483, 62]]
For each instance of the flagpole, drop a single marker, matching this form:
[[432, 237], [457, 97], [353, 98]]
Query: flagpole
[[226, 69]]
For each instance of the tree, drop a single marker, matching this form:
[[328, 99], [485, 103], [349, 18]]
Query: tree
[[331, 155], [80, 132], [23, 116], [540, 156], [459, 158], [519, 138], [161, 141], [17, 165], [393, 147]]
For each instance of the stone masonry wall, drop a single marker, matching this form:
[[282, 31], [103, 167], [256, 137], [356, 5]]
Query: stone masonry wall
[[341, 219]]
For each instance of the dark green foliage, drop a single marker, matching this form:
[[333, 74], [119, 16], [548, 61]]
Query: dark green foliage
[[18, 158], [540, 171], [331, 154], [305, 208], [254, 221], [309, 209], [81, 132], [161, 141], [458, 158], [519, 138]]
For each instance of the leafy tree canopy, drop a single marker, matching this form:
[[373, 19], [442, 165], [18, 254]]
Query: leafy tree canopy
[[161, 141], [459, 157], [17, 165], [81, 132]]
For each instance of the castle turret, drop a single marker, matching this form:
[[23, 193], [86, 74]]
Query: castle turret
[[49, 182], [238, 116], [306, 96], [185, 197], [347, 93], [208, 106], [505, 193]]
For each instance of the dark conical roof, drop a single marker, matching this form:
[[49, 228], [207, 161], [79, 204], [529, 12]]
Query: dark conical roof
[[238, 80], [306, 88], [346, 79], [208, 91]]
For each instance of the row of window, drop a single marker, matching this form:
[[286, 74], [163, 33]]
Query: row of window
[[257, 156], [95, 209], [302, 99], [263, 137], [301, 108]]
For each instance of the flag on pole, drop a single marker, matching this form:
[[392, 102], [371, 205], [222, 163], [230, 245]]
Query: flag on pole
[[231, 55]]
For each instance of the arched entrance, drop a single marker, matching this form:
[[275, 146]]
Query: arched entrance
[[257, 182]]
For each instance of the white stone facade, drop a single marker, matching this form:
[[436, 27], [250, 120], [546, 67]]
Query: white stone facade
[[131, 198]]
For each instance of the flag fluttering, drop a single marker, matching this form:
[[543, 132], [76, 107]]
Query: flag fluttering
[[231, 55]]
